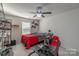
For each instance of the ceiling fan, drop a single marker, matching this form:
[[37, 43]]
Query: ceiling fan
[[40, 13]]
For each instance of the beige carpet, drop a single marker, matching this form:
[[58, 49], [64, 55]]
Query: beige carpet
[[20, 50]]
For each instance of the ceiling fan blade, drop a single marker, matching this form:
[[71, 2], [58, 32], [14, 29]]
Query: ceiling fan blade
[[47, 13], [42, 15]]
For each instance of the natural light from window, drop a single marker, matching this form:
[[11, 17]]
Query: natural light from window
[[26, 27]]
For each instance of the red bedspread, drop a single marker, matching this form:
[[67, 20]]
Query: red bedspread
[[55, 41], [29, 39]]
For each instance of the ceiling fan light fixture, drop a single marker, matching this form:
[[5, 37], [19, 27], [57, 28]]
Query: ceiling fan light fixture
[[39, 12], [39, 15]]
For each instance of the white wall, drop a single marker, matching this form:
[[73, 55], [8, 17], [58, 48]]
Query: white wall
[[66, 26]]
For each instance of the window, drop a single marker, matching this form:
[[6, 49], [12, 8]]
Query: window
[[26, 27]]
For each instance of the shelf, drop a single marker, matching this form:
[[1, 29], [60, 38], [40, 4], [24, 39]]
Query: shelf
[[5, 28], [4, 21], [5, 33]]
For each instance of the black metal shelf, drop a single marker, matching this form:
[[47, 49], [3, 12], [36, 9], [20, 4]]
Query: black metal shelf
[[5, 28], [5, 21], [5, 33]]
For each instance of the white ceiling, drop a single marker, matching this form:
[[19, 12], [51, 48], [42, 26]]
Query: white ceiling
[[24, 9]]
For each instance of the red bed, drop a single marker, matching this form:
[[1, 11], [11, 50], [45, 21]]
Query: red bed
[[29, 39]]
